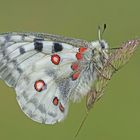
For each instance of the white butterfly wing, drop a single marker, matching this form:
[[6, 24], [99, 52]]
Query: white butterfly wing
[[40, 71], [44, 106]]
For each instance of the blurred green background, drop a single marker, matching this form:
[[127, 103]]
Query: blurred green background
[[117, 115]]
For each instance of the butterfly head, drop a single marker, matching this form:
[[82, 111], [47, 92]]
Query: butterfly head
[[100, 47]]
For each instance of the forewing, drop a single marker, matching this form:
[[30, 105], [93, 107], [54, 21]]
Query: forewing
[[40, 71], [19, 51], [117, 59]]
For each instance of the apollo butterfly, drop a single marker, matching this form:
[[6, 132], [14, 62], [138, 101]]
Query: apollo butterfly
[[47, 71]]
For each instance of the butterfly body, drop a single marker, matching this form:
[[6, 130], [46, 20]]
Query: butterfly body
[[49, 70]]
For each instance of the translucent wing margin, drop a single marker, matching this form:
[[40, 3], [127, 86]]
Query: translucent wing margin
[[116, 60], [58, 38]]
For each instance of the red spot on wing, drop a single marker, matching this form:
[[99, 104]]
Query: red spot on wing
[[39, 85], [75, 75], [61, 107], [82, 49], [79, 56], [74, 66], [55, 101], [55, 58]]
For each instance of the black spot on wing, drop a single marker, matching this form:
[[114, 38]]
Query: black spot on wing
[[19, 70], [21, 50], [38, 44], [57, 47]]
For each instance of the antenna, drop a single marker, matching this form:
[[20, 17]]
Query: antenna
[[104, 29], [100, 34]]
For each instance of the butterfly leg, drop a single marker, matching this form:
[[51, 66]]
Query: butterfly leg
[[101, 74]]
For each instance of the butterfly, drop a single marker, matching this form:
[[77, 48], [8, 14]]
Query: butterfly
[[47, 71]]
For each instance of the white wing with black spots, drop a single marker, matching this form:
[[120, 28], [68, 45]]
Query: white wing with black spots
[[46, 71], [18, 52]]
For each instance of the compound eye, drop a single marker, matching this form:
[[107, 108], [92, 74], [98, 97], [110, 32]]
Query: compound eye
[[102, 45]]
